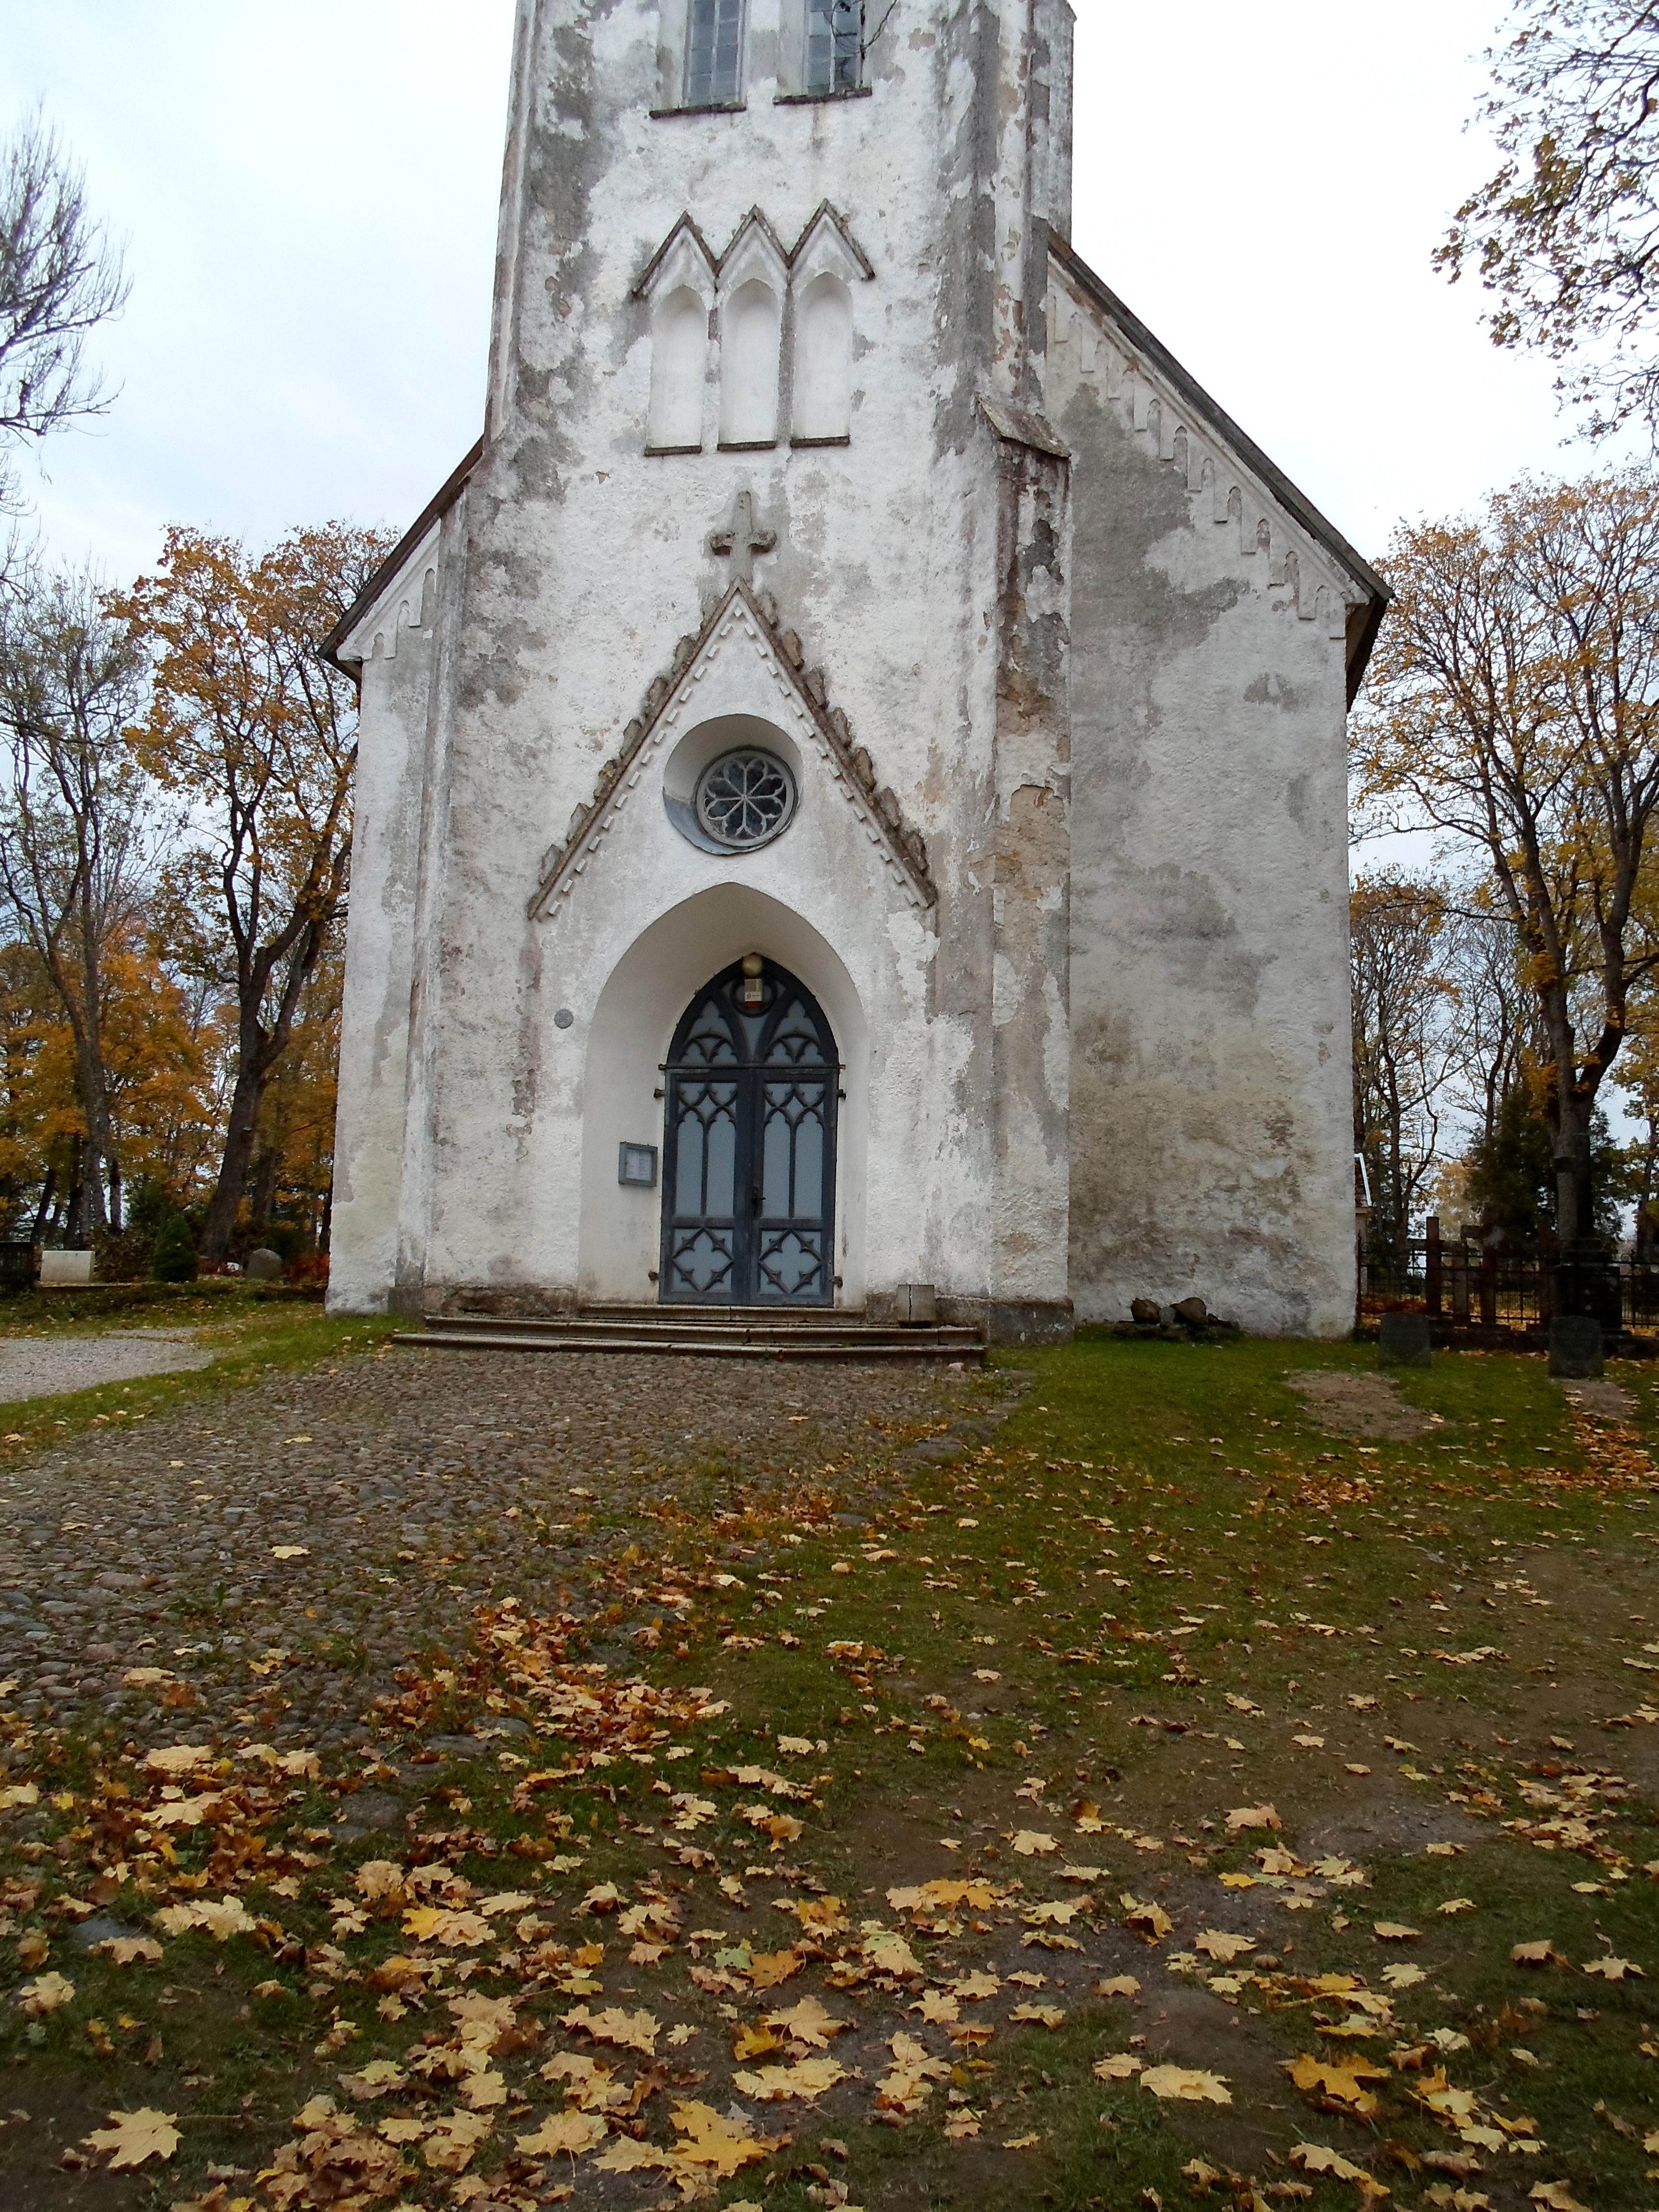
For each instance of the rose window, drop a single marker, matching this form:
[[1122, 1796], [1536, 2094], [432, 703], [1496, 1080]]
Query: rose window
[[745, 798]]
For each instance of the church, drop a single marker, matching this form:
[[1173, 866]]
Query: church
[[851, 803]]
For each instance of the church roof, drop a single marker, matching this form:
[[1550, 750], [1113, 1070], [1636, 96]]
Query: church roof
[[435, 509], [1364, 620]]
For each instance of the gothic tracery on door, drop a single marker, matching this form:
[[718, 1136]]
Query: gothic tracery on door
[[749, 1145]]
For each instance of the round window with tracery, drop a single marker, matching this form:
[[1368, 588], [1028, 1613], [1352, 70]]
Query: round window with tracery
[[746, 799]]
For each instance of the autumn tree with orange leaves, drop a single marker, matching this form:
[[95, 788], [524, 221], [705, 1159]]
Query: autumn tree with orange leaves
[[74, 817], [1513, 704], [257, 734]]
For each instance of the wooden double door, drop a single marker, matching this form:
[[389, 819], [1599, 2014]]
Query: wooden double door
[[751, 1088]]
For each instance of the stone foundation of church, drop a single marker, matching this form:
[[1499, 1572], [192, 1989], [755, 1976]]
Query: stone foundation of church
[[1010, 1321]]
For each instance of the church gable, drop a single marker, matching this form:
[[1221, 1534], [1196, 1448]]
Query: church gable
[[1095, 343], [744, 621], [406, 600]]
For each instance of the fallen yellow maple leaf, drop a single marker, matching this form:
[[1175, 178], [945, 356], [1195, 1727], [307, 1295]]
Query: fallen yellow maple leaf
[[1319, 2158], [177, 1757], [707, 2139], [622, 2154], [1188, 2082], [132, 2137], [44, 1994], [767, 1968], [1029, 1842], [122, 1950], [888, 1953], [1344, 2083], [436, 1924], [1217, 1945], [504, 1901], [379, 1878], [629, 2031], [455, 2137], [220, 1918], [807, 2077], [756, 2042], [1253, 1816], [808, 2022], [1118, 2066], [378, 2079], [573, 2132], [1149, 1921]]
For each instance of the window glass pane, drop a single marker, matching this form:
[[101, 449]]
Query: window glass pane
[[835, 36], [713, 51]]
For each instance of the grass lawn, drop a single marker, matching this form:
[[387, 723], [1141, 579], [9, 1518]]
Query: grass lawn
[[1154, 1799]]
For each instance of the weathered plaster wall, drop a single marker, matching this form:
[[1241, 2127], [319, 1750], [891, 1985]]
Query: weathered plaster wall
[[1210, 1069], [583, 561], [397, 649]]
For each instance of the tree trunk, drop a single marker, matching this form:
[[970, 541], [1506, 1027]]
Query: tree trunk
[[75, 1230], [258, 1051], [1574, 1203], [240, 1136], [43, 1211]]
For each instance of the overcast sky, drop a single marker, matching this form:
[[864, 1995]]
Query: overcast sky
[[309, 197]]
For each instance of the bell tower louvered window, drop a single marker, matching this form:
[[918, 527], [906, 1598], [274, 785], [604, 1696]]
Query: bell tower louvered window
[[713, 53], [834, 45]]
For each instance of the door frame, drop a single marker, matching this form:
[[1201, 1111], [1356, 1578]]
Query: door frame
[[750, 1078]]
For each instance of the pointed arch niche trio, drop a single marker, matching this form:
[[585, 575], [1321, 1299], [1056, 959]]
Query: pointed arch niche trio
[[756, 343]]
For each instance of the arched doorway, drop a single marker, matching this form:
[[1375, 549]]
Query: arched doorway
[[749, 1145]]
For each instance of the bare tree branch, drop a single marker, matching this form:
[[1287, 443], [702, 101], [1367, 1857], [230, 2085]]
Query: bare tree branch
[[60, 277]]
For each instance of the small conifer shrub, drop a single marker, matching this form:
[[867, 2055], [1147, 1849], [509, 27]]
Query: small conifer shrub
[[175, 1252]]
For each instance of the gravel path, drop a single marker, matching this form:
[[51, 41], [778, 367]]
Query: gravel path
[[406, 1488], [43, 1368]]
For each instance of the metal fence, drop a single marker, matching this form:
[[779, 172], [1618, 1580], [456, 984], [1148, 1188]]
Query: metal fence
[[1481, 1283]]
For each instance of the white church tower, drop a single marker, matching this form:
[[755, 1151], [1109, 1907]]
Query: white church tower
[[851, 779]]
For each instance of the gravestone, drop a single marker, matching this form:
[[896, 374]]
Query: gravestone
[[1402, 1339], [263, 1265], [62, 1270], [1576, 1348]]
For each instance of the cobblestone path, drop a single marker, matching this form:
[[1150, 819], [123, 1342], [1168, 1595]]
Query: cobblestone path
[[341, 1517]]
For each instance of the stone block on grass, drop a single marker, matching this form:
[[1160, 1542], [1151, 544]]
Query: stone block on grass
[[1402, 1339], [1576, 1351]]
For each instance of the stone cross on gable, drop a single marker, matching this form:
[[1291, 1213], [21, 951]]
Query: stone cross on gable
[[740, 540]]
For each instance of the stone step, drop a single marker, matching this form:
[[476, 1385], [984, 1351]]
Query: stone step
[[756, 1333], [679, 1316]]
